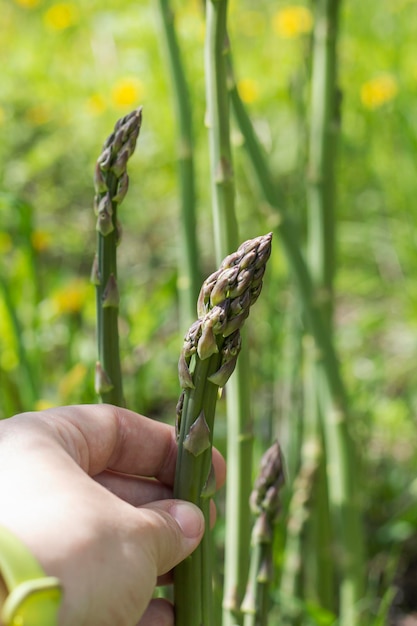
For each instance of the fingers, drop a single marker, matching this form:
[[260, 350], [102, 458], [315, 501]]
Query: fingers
[[135, 490], [169, 531], [159, 613], [101, 437]]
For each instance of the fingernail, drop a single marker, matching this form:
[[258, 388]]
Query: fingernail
[[189, 518]]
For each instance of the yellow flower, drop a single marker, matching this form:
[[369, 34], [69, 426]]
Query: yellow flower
[[38, 114], [378, 91], [8, 359], [72, 381], [292, 21], [96, 104], [71, 297], [127, 92], [60, 16], [248, 90], [6, 243], [40, 240], [28, 4], [42, 404]]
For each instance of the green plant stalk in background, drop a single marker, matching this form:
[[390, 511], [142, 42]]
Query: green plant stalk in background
[[239, 426], [265, 505], [111, 184], [207, 360], [189, 273], [339, 452], [345, 507], [298, 514], [28, 392], [320, 255]]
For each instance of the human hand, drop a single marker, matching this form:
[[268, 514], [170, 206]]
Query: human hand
[[88, 489]]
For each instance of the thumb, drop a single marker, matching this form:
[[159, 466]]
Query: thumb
[[174, 528]]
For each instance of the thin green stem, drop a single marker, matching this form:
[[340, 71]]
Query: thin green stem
[[107, 317], [345, 503], [217, 99], [339, 453], [29, 383], [265, 505], [111, 184], [239, 437], [299, 511], [290, 242], [191, 474], [189, 273], [321, 161]]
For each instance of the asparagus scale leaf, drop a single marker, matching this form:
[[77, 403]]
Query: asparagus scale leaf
[[208, 358], [265, 505]]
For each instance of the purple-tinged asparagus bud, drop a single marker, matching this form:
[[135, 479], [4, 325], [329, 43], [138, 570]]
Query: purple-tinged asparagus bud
[[104, 160], [221, 288], [95, 273], [198, 437], [248, 260], [111, 297], [236, 323], [207, 345], [122, 188], [203, 302], [105, 205], [100, 184], [104, 223], [119, 165], [265, 573], [223, 374], [191, 339], [236, 282], [184, 374], [239, 304], [262, 532], [219, 316], [178, 411], [117, 149], [102, 382], [265, 494], [230, 351]]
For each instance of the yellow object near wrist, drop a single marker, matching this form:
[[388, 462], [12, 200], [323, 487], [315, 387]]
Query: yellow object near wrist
[[33, 598]]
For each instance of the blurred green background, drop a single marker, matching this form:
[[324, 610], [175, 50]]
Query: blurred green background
[[70, 70]]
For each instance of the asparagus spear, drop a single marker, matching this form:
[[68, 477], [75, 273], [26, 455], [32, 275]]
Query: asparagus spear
[[207, 360], [265, 505], [111, 184]]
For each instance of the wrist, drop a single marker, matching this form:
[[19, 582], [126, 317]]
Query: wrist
[[27, 596]]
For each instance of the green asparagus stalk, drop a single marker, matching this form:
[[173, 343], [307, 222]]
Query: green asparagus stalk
[[265, 505], [339, 453], [321, 259], [239, 423], [111, 183], [298, 514], [345, 505], [207, 360], [189, 273]]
